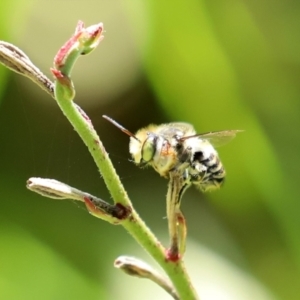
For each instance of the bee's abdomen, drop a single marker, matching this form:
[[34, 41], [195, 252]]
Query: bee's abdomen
[[214, 173]]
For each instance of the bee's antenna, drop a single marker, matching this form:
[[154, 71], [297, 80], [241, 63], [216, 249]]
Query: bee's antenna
[[120, 127]]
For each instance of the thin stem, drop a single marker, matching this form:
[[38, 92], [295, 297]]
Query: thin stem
[[16, 60], [175, 270], [134, 224], [90, 138]]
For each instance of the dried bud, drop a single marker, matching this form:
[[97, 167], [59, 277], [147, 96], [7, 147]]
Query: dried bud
[[136, 267]]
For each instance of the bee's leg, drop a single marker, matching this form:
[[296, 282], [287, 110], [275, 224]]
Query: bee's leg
[[180, 167], [176, 221], [181, 223], [182, 230], [172, 195]]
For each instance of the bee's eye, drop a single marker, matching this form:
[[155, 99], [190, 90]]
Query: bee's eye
[[149, 148]]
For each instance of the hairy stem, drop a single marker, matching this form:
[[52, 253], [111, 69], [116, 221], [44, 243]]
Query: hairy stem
[[82, 42]]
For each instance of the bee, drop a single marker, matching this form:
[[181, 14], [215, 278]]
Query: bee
[[187, 158], [177, 147]]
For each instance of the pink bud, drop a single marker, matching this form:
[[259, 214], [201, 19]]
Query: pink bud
[[91, 37], [65, 50], [82, 42]]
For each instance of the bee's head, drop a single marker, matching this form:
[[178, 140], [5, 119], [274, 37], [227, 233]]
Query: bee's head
[[148, 148], [142, 145], [143, 148]]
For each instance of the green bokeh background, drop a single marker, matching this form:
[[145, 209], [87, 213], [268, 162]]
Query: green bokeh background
[[216, 64]]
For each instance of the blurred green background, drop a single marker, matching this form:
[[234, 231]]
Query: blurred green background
[[216, 64]]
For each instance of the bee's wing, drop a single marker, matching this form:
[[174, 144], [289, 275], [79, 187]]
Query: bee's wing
[[219, 138]]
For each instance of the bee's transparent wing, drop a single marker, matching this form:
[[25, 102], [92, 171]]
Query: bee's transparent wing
[[219, 138], [216, 138]]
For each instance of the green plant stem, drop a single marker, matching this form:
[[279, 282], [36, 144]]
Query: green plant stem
[[176, 271], [134, 224], [16, 60], [96, 148]]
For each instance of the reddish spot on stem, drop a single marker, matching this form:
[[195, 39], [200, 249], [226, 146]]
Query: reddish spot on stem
[[56, 73], [91, 207], [121, 212], [118, 211], [63, 80], [172, 255]]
